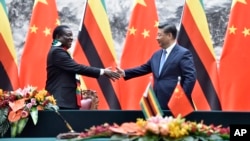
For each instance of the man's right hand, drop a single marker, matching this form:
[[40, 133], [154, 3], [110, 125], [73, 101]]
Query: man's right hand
[[120, 71]]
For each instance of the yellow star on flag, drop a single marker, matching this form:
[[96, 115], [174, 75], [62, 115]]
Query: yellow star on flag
[[232, 29], [46, 31], [33, 29], [58, 22], [145, 33], [132, 31], [156, 24], [143, 17], [42, 22], [246, 31]]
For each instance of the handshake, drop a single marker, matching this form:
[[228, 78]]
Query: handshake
[[114, 75]]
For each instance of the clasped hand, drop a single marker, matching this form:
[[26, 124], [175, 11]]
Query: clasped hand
[[114, 75]]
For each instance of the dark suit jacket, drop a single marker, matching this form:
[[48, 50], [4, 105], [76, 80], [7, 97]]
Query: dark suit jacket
[[179, 63], [61, 76]]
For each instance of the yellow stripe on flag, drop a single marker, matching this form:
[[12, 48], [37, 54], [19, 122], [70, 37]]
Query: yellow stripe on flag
[[145, 108], [100, 15], [5, 31], [149, 103], [200, 19], [8, 59], [154, 102]]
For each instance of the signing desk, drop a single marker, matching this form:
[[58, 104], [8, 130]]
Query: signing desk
[[50, 124]]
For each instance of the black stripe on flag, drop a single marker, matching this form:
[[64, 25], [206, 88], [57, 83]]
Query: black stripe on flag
[[95, 60], [202, 74], [5, 83]]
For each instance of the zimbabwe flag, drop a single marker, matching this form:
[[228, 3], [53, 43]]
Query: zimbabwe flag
[[194, 34], [8, 58]]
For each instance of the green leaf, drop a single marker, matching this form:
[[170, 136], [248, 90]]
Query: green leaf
[[4, 127], [34, 115], [134, 138], [187, 138], [13, 129], [215, 137], [117, 137], [200, 138], [21, 124], [3, 115], [4, 123], [140, 139], [150, 138], [225, 136]]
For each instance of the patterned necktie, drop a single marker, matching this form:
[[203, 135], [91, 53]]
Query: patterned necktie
[[163, 59]]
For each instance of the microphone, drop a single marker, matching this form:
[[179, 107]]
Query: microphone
[[71, 134], [67, 124]]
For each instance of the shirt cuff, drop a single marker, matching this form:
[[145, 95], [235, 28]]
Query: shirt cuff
[[102, 72]]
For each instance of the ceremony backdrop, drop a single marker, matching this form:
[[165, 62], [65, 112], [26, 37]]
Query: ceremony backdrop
[[108, 24], [119, 12]]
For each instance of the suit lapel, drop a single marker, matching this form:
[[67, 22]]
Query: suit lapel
[[170, 58]]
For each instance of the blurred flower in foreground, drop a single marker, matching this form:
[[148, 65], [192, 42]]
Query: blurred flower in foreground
[[16, 106]]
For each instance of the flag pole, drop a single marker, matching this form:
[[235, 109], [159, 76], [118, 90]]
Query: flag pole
[[83, 14]]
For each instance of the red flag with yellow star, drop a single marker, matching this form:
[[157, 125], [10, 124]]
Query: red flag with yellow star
[[139, 45], [179, 103], [8, 58], [235, 60], [38, 41]]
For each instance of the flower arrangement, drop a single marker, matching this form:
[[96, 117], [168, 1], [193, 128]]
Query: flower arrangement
[[17, 106], [158, 129]]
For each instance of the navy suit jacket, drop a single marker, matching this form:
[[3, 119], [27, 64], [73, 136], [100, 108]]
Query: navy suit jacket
[[179, 63], [61, 76]]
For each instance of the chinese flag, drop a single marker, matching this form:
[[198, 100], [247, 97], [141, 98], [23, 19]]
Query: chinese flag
[[194, 34], [179, 103], [234, 67], [140, 44], [95, 47], [38, 41], [8, 59]]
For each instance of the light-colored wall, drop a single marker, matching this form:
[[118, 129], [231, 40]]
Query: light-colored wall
[[119, 13]]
